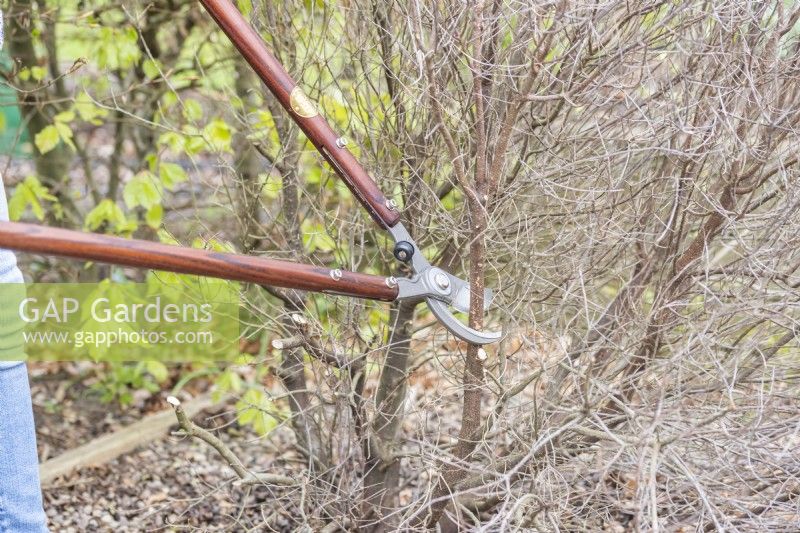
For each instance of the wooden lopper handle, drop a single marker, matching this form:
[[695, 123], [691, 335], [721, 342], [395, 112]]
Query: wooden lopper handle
[[146, 254], [302, 110]]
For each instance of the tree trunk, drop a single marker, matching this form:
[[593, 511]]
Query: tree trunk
[[52, 167], [382, 468]]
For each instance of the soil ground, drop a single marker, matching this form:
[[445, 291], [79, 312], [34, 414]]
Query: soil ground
[[173, 484]]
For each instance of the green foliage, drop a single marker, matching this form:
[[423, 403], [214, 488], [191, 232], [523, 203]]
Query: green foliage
[[178, 113], [116, 48], [245, 6], [88, 110], [171, 175], [47, 139], [228, 381], [61, 123], [218, 135], [192, 110], [257, 410], [271, 186], [109, 213], [143, 190], [146, 190], [316, 238], [30, 193], [154, 216], [61, 130], [35, 73], [215, 137], [120, 381]]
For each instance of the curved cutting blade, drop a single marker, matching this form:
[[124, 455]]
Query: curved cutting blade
[[440, 290], [462, 331]]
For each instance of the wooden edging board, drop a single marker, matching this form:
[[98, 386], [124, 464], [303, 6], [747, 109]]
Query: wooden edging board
[[110, 446]]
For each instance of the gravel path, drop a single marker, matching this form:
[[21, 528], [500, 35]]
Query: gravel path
[[169, 485], [174, 484]]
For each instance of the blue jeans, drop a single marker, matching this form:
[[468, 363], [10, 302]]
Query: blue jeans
[[20, 493]]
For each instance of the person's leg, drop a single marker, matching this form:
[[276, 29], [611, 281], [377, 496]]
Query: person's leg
[[20, 492], [20, 495]]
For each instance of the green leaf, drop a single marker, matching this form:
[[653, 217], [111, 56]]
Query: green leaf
[[152, 161], [452, 200], [150, 68], [173, 140], [29, 193], [194, 145], [229, 381], [166, 238], [154, 216], [272, 185], [65, 116], [171, 175], [87, 109], [207, 55], [213, 244], [256, 409], [314, 175], [245, 6], [168, 100], [158, 370], [142, 190], [315, 237], [192, 110], [107, 212], [219, 135], [65, 132], [47, 139], [38, 73], [117, 48]]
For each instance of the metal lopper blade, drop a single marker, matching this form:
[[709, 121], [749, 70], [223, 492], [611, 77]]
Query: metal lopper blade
[[439, 289]]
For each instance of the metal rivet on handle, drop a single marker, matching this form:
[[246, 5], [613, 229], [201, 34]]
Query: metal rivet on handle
[[391, 204], [391, 282], [442, 281], [341, 142], [336, 274]]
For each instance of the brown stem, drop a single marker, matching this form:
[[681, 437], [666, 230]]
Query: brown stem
[[193, 430], [382, 468]]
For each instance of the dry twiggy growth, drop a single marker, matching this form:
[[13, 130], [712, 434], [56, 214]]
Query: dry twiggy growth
[[624, 174]]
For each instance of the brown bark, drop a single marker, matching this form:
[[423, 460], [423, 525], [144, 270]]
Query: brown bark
[[37, 108], [382, 466]]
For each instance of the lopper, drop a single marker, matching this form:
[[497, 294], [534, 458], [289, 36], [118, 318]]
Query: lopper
[[440, 289]]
